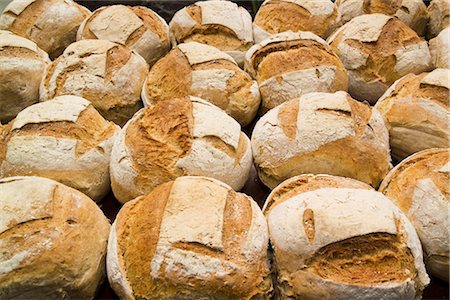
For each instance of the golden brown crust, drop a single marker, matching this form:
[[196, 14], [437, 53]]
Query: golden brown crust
[[387, 7]]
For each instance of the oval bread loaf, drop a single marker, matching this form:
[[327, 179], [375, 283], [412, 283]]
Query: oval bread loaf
[[440, 49], [439, 12]]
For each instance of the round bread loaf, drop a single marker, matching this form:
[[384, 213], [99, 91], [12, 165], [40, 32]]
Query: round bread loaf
[[440, 49], [51, 24], [22, 65], [53, 241], [288, 65], [412, 12], [345, 243], [206, 72], [183, 136], [377, 50], [107, 74], [321, 133], [137, 27], [416, 110], [275, 16], [64, 139], [221, 24], [192, 238], [439, 12], [419, 186]]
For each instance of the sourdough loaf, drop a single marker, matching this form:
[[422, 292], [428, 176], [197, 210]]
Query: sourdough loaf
[[439, 12], [440, 49]]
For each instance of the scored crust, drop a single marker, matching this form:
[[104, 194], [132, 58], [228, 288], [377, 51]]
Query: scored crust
[[440, 49]]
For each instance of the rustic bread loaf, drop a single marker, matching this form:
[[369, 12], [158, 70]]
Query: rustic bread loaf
[[288, 65], [440, 49], [412, 12], [182, 136], [419, 186], [107, 74], [64, 139], [221, 24], [192, 238], [321, 133], [22, 64], [51, 24], [439, 13], [206, 72], [416, 110], [344, 243], [275, 16], [377, 50], [137, 27], [53, 241]]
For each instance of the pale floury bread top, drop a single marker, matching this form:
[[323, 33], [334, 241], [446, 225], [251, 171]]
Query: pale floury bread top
[[440, 49], [183, 136], [377, 50], [275, 16], [222, 24], [416, 110], [51, 24], [439, 12], [53, 241], [192, 238], [137, 27], [419, 186], [22, 64]]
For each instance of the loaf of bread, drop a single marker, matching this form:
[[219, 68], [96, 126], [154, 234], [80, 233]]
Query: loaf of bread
[[206, 72], [107, 74], [182, 136], [412, 12], [137, 27], [64, 139], [440, 49], [192, 238], [22, 64], [377, 50], [221, 24], [52, 25], [344, 243], [439, 12], [275, 16], [53, 241], [288, 65], [419, 186], [416, 110], [321, 133]]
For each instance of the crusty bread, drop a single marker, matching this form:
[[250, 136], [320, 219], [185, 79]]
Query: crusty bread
[[439, 12], [182, 136], [51, 24], [440, 49], [192, 238], [417, 113], [344, 243], [206, 72], [377, 50], [22, 64], [221, 24], [105, 73], [64, 139], [419, 186], [288, 65], [53, 241], [321, 133], [137, 27], [275, 16]]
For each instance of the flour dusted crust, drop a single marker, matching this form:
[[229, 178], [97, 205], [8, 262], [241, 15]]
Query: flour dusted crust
[[206, 72], [53, 241], [376, 50], [64, 139], [51, 24], [419, 187], [321, 133], [221, 24], [275, 16], [107, 74], [416, 109], [439, 12], [192, 238], [290, 64], [182, 136], [345, 243], [22, 64], [137, 27], [440, 49]]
